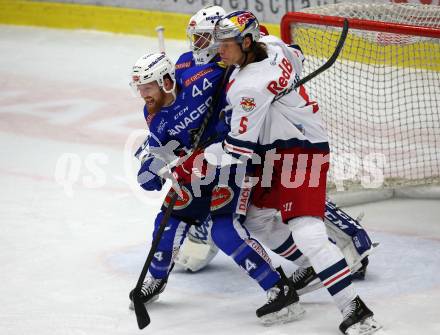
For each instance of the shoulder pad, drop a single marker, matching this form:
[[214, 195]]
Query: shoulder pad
[[187, 56], [295, 46]]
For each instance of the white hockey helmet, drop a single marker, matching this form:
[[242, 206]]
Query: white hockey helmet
[[152, 67], [237, 25], [200, 33]]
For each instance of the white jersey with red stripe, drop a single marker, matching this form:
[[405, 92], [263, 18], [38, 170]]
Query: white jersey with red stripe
[[267, 111]]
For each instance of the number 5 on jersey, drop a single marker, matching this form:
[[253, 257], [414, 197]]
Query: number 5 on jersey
[[243, 124]]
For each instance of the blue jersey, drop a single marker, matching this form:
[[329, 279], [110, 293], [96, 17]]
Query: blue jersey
[[183, 118], [173, 128], [185, 62]]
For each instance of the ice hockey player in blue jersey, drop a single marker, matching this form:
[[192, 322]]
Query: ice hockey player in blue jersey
[[184, 62], [199, 33], [175, 118], [198, 248]]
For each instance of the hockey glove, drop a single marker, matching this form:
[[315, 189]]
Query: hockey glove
[[194, 167], [147, 175]]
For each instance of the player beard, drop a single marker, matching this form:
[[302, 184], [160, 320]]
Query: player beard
[[154, 105]]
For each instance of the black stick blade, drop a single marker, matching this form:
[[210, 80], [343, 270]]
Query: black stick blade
[[143, 319]]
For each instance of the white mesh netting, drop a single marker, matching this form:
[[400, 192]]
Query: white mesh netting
[[426, 16], [381, 99]]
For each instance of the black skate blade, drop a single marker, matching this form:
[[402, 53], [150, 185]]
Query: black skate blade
[[143, 319]]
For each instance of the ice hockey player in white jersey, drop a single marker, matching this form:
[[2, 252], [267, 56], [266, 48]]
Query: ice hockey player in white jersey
[[273, 119], [198, 249]]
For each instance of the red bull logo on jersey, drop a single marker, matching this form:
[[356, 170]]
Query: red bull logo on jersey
[[277, 86], [248, 104]]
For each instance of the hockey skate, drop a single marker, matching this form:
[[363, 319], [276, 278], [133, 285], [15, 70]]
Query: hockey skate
[[362, 271], [305, 280], [151, 288], [282, 305], [359, 267], [358, 319]]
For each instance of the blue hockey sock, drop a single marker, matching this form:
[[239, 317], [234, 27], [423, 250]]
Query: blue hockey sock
[[170, 242], [234, 240]]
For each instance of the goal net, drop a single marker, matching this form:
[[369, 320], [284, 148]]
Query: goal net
[[381, 99]]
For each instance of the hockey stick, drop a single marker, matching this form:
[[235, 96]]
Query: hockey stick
[[161, 39], [143, 319], [331, 60]]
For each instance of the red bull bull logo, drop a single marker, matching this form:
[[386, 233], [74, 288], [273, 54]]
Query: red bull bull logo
[[244, 18], [248, 104]]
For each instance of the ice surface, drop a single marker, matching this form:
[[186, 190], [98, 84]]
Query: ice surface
[[74, 227]]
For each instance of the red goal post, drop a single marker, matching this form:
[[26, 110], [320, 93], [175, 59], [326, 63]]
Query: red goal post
[[363, 24], [380, 100]]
